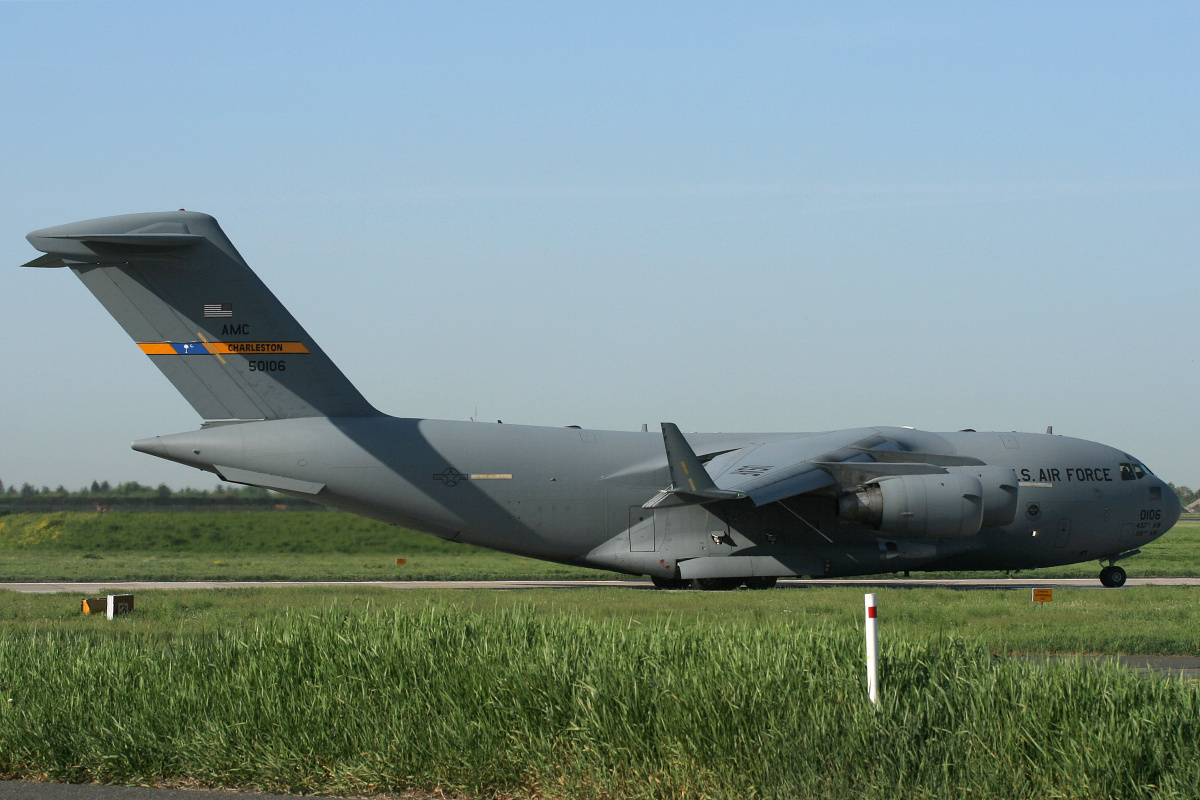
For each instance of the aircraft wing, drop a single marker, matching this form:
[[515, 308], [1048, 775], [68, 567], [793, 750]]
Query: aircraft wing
[[765, 473]]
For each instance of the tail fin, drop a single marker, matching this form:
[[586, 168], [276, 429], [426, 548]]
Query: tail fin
[[178, 287]]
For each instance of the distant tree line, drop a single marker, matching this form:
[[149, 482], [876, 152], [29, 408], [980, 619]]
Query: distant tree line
[[1187, 496], [102, 495]]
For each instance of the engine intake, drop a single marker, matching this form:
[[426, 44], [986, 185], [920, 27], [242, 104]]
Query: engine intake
[[947, 505]]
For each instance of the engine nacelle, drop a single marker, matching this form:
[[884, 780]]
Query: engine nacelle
[[947, 505]]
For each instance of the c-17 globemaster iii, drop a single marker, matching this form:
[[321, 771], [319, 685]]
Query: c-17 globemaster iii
[[716, 510]]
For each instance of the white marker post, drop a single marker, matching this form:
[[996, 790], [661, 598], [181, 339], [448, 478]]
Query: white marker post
[[872, 651]]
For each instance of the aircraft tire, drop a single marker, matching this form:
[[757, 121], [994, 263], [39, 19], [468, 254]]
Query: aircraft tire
[[669, 583], [1113, 577], [716, 584], [761, 583]]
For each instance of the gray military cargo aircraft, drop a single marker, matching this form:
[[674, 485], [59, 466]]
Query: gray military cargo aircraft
[[711, 510]]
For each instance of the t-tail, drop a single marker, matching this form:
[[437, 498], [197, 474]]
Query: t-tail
[[180, 289]]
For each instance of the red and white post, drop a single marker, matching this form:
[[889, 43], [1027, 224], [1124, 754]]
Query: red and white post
[[872, 651]]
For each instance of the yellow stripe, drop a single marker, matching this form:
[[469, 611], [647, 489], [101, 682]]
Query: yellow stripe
[[257, 348], [208, 344], [156, 348]]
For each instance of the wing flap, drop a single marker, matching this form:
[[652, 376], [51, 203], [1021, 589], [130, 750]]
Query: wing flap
[[809, 479]]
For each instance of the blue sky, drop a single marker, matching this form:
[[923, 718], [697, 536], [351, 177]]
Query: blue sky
[[753, 216]]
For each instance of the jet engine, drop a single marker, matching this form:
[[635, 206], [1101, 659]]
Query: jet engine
[[946, 505]]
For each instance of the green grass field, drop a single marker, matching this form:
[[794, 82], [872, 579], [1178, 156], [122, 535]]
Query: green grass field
[[325, 545], [620, 692], [599, 693], [245, 545], [1146, 620]]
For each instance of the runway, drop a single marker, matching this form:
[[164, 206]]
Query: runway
[[125, 587]]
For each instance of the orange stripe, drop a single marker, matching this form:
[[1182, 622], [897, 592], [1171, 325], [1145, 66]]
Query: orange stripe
[[156, 348], [257, 348]]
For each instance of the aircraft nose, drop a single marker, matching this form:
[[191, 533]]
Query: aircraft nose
[[1172, 508]]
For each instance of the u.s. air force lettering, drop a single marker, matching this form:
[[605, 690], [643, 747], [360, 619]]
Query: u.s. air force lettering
[[1074, 474]]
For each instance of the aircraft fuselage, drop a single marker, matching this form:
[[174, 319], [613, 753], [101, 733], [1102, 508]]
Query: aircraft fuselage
[[577, 496]]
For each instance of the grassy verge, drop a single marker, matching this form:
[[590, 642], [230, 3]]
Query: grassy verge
[[324, 545], [1145, 620], [431, 692], [467, 563], [246, 545]]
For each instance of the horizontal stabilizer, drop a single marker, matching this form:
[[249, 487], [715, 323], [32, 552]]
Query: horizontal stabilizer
[[130, 239], [47, 261]]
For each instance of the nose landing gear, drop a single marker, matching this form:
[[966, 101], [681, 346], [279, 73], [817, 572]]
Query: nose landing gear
[[1113, 576]]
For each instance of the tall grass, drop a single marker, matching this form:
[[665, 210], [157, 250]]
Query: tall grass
[[562, 705]]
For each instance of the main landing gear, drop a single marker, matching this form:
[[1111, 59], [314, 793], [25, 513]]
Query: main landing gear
[[1113, 576], [713, 584]]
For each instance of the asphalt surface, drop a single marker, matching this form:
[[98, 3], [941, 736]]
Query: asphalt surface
[[126, 587]]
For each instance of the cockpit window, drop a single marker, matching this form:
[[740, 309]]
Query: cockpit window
[[1132, 471]]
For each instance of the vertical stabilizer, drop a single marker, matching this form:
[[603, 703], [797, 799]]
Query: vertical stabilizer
[[178, 287]]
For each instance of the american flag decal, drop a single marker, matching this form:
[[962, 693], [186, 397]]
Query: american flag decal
[[218, 309]]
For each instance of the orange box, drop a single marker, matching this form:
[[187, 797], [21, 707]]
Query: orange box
[[95, 605]]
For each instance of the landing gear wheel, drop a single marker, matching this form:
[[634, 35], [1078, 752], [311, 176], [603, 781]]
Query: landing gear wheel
[[760, 583], [669, 583], [1113, 577], [716, 584]]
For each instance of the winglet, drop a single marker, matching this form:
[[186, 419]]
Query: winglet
[[688, 475]]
